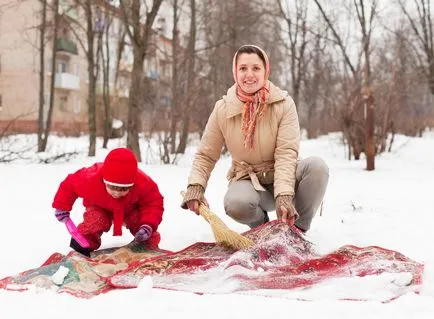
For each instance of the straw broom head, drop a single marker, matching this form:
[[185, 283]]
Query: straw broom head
[[223, 235]]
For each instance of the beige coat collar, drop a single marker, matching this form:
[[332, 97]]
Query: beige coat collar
[[235, 106]]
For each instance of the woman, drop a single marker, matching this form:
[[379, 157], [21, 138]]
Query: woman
[[258, 123]]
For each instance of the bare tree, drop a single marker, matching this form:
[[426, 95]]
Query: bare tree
[[174, 88], [90, 28], [366, 23], [42, 33], [42, 141], [92, 70], [105, 20], [140, 35], [392, 72], [223, 27], [387, 118], [190, 80], [120, 49], [312, 91], [422, 27], [297, 35], [11, 147], [305, 43], [365, 16], [351, 91]]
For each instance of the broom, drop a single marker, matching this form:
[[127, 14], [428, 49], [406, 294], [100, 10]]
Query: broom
[[223, 235]]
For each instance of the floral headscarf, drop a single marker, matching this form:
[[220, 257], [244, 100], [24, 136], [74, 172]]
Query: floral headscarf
[[255, 104]]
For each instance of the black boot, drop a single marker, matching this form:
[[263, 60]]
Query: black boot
[[301, 229], [76, 246], [266, 218]]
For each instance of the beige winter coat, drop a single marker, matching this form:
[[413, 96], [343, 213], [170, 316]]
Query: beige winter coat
[[275, 149]]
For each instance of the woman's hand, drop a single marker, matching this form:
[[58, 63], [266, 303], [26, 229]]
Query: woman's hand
[[194, 204], [286, 216], [285, 209], [193, 197]]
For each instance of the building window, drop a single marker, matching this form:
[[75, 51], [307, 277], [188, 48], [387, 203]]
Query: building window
[[77, 106], [62, 67], [63, 100]]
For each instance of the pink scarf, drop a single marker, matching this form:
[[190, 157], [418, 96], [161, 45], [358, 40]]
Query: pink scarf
[[255, 104]]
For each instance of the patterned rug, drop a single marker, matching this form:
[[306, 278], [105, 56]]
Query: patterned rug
[[280, 261]]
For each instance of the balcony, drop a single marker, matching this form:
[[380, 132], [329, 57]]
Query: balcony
[[64, 45], [66, 9], [67, 81]]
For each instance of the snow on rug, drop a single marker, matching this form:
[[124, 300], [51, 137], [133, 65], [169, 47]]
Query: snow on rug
[[280, 263]]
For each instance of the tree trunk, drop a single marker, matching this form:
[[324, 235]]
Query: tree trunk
[[367, 89], [190, 80], [121, 46], [369, 131], [297, 32], [53, 77], [174, 106], [91, 110], [140, 36], [105, 58], [92, 69], [134, 103], [392, 138], [312, 117], [42, 75], [387, 114], [431, 73], [369, 112]]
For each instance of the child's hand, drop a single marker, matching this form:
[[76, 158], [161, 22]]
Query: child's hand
[[143, 234], [61, 215]]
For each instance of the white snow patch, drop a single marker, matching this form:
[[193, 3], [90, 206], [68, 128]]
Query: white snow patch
[[59, 276], [117, 124]]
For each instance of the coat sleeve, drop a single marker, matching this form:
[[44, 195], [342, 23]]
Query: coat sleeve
[[151, 206], [209, 150], [286, 152], [66, 194]]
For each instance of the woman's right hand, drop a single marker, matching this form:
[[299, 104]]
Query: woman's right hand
[[192, 198], [194, 204]]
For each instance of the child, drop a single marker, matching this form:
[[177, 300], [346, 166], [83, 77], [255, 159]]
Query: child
[[117, 192]]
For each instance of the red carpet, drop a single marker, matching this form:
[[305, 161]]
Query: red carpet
[[281, 259]]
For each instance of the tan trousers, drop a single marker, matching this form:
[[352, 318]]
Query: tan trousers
[[249, 206]]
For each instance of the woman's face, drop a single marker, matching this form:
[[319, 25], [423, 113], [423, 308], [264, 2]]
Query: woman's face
[[250, 72]]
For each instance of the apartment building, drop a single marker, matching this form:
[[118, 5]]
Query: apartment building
[[20, 69]]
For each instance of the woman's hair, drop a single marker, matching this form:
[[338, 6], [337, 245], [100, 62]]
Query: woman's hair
[[249, 49]]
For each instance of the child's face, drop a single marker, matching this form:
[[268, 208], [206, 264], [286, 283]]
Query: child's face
[[116, 191]]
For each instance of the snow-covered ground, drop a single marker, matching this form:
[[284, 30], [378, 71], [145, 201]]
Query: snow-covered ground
[[391, 207]]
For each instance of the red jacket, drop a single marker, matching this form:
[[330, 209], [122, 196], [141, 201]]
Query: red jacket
[[87, 183]]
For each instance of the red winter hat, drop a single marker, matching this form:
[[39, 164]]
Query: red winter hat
[[120, 168]]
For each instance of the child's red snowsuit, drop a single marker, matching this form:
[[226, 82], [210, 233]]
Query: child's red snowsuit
[[143, 204]]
